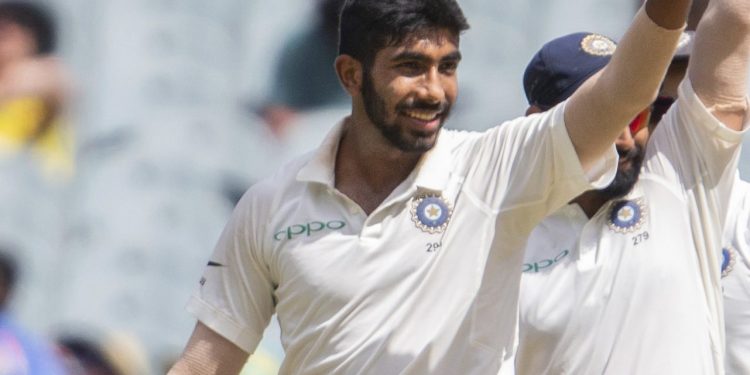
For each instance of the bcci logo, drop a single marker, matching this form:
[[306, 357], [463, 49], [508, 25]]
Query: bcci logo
[[598, 45], [431, 213], [727, 260], [626, 216]]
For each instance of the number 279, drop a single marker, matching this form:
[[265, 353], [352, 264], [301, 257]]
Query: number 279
[[433, 247], [640, 237]]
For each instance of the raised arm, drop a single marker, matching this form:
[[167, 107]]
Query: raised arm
[[718, 66], [208, 353], [603, 106]]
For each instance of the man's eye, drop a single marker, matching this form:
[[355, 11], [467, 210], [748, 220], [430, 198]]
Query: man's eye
[[410, 67], [449, 68]]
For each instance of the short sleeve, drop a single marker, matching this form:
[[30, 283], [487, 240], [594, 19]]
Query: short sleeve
[[691, 147], [235, 296], [531, 162], [697, 156]]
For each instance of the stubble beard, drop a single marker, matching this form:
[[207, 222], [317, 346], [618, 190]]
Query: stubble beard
[[625, 179], [404, 140]]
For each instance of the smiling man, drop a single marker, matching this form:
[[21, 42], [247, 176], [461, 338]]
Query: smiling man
[[425, 116], [420, 272], [627, 279]]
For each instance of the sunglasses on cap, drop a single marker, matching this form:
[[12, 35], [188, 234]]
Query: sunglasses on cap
[[652, 114], [640, 121]]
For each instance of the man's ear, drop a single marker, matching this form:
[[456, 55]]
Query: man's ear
[[533, 109], [349, 71]]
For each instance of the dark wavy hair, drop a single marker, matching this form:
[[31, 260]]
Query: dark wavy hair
[[35, 18], [367, 26]]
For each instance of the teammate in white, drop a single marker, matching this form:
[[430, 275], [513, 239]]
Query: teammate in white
[[396, 247], [630, 284], [735, 274], [735, 253]]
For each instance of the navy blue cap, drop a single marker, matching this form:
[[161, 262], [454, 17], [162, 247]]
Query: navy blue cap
[[562, 65]]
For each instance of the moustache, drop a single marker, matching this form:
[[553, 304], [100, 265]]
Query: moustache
[[442, 107]]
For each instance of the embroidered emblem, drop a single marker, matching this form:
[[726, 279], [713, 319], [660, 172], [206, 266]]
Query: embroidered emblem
[[431, 213], [598, 45], [626, 216], [728, 256]]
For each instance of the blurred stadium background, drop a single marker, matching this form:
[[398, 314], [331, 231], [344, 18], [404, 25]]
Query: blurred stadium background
[[167, 137]]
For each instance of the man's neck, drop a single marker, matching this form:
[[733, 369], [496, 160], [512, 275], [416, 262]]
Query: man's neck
[[591, 202], [368, 168]]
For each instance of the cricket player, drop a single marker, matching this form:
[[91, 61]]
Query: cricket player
[[626, 280], [735, 273], [396, 247]]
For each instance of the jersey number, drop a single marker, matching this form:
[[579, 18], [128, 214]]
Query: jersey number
[[433, 247], [640, 237]]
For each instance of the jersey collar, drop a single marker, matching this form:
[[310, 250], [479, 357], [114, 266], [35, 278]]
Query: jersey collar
[[320, 168], [432, 171]]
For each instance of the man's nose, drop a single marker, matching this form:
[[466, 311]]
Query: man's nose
[[625, 140], [431, 88]]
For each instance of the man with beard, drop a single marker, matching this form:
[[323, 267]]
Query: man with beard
[[396, 247], [627, 279]]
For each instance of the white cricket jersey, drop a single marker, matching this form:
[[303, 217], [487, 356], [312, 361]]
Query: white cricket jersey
[[403, 290], [735, 269], [635, 289]]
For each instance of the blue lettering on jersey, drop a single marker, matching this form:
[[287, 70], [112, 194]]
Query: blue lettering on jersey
[[543, 264], [308, 229]]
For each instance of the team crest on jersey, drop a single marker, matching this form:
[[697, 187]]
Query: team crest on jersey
[[431, 213], [627, 216], [728, 258], [598, 45]]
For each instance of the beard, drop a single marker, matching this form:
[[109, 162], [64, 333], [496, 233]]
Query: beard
[[404, 139], [627, 176]]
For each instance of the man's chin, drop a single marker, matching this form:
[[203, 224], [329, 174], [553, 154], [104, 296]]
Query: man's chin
[[417, 141], [419, 145], [618, 188]]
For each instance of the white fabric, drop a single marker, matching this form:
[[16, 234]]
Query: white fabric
[[641, 301], [736, 280], [358, 294]]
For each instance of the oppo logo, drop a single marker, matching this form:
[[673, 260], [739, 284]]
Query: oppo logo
[[307, 229], [545, 263]]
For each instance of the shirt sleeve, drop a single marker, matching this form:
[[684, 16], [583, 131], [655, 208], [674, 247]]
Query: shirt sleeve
[[690, 147], [235, 296], [531, 162]]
